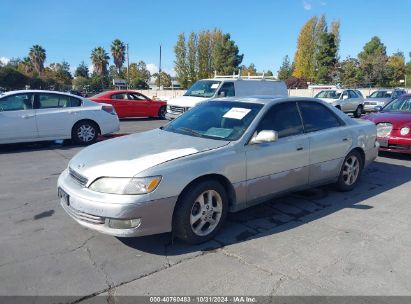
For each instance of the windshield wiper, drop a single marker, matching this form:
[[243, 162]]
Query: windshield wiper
[[190, 131]]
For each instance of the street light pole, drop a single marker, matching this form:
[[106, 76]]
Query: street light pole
[[128, 68], [159, 71]]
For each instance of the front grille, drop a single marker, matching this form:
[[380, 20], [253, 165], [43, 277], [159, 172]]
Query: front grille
[[384, 129], [86, 217], [177, 109], [400, 147], [80, 179]]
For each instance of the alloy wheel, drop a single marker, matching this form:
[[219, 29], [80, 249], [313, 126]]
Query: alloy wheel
[[351, 170], [206, 212]]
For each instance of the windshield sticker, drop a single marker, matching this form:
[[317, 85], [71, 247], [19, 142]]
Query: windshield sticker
[[214, 85], [237, 113], [218, 132]]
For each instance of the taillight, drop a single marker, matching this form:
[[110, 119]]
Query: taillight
[[109, 110]]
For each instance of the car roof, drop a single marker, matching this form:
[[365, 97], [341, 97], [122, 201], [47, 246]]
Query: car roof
[[264, 100], [38, 91]]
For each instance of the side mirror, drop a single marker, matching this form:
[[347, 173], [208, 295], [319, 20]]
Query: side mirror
[[378, 108], [368, 96], [221, 94], [345, 97], [264, 136]]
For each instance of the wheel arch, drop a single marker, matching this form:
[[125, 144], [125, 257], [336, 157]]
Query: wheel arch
[[361, 152]]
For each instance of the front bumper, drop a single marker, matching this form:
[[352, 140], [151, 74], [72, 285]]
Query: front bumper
[[395, 144], [155, 215], [371, 108], [171, 115]]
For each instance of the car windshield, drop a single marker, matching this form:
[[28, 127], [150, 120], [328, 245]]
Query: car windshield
[[203, 88], [216, 120], [328, 94], [380, 94], [399, 105]]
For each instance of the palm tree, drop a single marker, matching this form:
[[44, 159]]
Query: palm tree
[[37, 57], [118, 50], [27, 65], [99, 58]]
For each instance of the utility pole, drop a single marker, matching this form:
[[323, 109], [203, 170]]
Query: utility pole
[[128, 67], [159, 71]]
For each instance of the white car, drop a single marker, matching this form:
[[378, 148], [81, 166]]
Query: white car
[[348, 100], [36, 115]]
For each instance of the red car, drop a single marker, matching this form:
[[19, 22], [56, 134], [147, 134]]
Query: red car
[[394, 125], [132, 104]]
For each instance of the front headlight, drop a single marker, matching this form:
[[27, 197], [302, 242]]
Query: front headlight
[[404, 131], [121, 185]]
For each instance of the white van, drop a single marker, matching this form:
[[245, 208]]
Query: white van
[[224, 86]]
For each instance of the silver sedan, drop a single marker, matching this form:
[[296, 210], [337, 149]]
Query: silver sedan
[[222, 156]]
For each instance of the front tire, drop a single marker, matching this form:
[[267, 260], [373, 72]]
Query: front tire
[[200, 212], [358, 112], [350, 172], [84, 133], [162, 112]]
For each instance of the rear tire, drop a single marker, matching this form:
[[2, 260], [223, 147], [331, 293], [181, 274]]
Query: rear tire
[[350, 172], [84, 132], [200, 212], [162, 112]]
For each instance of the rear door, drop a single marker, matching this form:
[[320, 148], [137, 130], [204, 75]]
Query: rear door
[[140, 105], [17, 118], [281, 165], [329, 140], [55, 114]]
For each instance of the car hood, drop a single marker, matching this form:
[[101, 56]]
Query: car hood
[[377, 99], [329, 100], [186, 101], [128, 155], [397, 119]]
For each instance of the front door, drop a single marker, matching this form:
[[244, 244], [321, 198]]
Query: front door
[[17, 118], [281, 165]]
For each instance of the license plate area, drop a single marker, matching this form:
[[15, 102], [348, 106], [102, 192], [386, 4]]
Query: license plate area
[[383, 142], [64, 197]]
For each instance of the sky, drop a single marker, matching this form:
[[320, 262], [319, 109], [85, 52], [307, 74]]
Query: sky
[[264, 30]]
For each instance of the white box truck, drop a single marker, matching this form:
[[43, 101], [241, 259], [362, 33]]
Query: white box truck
[[224, 86]]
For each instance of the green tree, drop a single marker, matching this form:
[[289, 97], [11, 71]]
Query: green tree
[[408, 71], [286, 69], [81, 70], [37, 57], [192, 58], [373, 62], [165, 79], [11, 79], [326, 57], [248, 71], [26, 66], [350, 73], [139, 74], [118, 51], [81, 83], [180, 63], [99, 58], [204, 55], [335, 29], [304, 58], [225, 57], [396, 68]]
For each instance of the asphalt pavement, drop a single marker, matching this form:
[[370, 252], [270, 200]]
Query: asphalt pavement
[[316, 242]]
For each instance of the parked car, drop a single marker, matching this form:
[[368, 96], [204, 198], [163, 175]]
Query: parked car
[[34, 115], [381, 98], [394, 125], [221, 156], [130, 103], [224, 86], [348, 100]]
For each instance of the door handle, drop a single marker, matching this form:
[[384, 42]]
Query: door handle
[[300, 148], [346, 139], [27, 116]]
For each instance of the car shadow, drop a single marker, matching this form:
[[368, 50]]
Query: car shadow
[[392, 155], [285, 213], [142, 119], [66, 144]]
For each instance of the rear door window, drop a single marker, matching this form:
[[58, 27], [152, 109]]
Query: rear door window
[[317, 117], [228, 89], [49, 101]]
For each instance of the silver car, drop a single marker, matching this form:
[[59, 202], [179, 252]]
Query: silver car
[[381, 98], [348, 100], [221, 156]]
